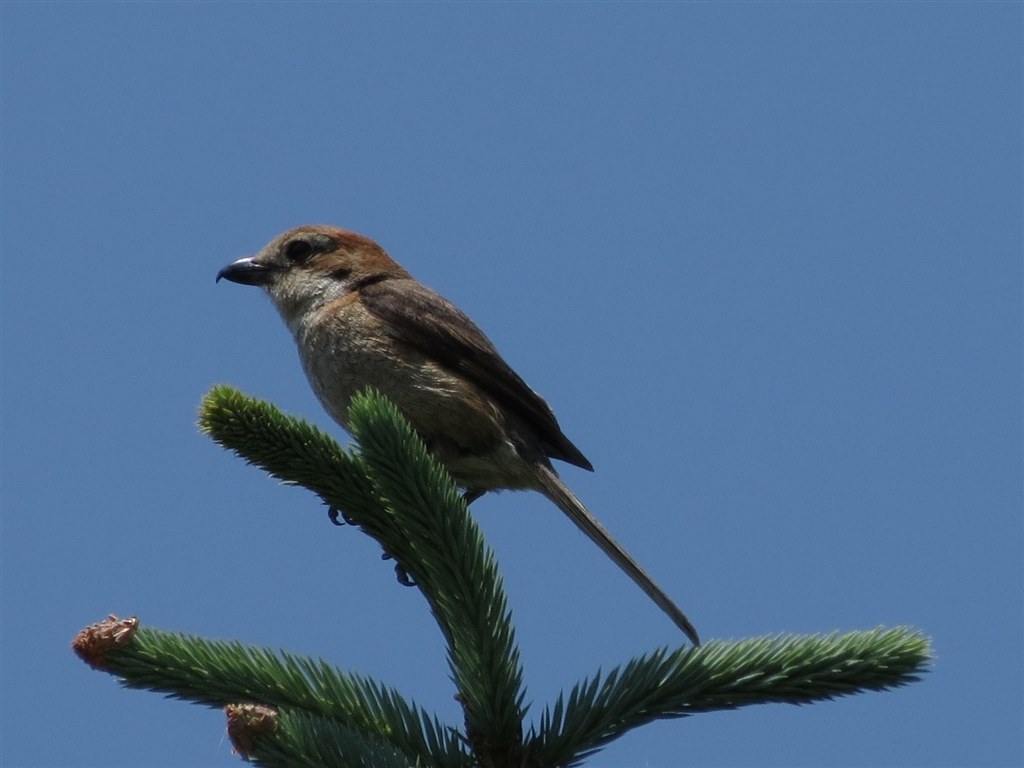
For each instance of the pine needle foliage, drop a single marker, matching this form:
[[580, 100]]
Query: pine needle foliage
[[218, 673], [456, 572], [722, 675], [394, 491], [303, 740], [402, 497]]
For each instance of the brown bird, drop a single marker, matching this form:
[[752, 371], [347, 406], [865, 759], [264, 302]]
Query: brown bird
[[360, 320]]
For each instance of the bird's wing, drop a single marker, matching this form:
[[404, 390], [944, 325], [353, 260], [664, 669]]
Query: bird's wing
[[437, 328]]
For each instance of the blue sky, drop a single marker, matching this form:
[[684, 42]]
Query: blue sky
[[764, 261]]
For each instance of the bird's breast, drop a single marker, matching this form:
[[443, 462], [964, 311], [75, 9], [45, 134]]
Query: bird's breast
[[347, 350]]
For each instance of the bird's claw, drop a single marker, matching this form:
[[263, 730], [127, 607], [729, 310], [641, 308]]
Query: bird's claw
[[334, 513], [403, 576]]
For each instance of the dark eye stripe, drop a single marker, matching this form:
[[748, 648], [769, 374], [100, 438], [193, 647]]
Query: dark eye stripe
[[298, 250]]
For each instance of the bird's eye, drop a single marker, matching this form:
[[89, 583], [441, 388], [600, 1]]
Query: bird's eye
[[298, 250]]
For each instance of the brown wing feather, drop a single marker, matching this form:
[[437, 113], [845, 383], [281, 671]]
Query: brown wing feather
[[436, 327]]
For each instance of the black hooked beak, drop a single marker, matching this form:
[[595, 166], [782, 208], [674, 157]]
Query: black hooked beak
[[247, 272]]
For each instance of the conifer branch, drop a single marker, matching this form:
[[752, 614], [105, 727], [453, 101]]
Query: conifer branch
[[303, 740], [398, 493], [723, 675], [217, 673], [455, 570], [289, 449]]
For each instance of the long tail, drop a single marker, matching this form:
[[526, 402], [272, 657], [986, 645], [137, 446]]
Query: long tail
[[565, 500]]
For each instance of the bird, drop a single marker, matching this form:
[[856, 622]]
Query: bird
[[361, 321]]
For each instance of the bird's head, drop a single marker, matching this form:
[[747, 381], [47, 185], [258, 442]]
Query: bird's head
[[307, 267]]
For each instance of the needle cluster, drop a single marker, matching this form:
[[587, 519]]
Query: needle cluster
[[310, 713]]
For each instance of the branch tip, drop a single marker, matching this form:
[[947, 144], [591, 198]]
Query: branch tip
[[247, 723], [95, 641]]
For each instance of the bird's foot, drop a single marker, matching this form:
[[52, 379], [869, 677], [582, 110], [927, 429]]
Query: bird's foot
[[333, 513], [403, 575]]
